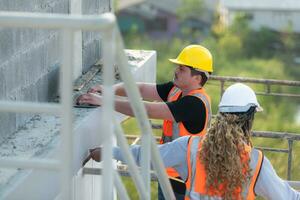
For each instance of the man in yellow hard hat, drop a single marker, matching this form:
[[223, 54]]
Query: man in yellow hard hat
[[183, 103]]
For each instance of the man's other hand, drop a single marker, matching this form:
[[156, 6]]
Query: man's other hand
[[94, 154], [95, 89], [90, 98]]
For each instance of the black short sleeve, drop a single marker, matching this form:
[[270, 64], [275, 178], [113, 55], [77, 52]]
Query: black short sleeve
[[189, 110], [164, 89]]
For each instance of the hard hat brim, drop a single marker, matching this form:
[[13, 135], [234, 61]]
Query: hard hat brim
[[175, 61], [235, 109]]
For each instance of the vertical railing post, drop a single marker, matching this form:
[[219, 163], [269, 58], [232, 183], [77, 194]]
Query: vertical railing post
[[139, 112], [268, 87], [66, 78], [290, 155], [107, 114], [222, 89], [133, 169], [76, 8]]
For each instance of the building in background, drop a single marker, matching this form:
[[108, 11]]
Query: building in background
[[278, 15], [159, 19]]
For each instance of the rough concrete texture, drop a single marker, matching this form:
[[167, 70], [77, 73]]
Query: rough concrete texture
[[29, 58], [31, 74], [40, 135], [91, 40]]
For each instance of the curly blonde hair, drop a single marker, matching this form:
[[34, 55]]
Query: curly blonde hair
[[222, 151]]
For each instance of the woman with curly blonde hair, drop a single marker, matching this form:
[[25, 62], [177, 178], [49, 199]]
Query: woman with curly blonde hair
[[223, 150], [222, 164]]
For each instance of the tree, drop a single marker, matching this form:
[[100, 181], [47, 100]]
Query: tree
[[191, 9]]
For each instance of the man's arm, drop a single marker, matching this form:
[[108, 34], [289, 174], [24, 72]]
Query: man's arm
[[155, 110], [173, 154], [147, 90]]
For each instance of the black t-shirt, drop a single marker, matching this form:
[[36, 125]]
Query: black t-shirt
[[189, 110]]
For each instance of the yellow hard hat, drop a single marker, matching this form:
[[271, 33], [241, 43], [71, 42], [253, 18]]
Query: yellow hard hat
[[195, 56]]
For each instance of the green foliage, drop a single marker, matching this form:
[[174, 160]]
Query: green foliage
[[132, 192], [233, 46], [287, 37], [190, 9], [240, 25], [262, 43]]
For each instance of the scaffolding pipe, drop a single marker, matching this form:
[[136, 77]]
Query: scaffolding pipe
[[120, 187], [138, 109], [133, 169], [147, 140], [66, 80], [294, 184], [28, 107], [45, 164], [255, 80], [57, 21], [160, 171], [107, 113]]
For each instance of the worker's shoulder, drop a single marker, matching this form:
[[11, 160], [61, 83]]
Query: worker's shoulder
[[192, 100]]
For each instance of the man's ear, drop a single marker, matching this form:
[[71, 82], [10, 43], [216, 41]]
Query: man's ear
[[198, 78]]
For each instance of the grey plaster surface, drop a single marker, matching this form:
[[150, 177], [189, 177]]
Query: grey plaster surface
[[30, 58], [29, 61], [40, 136]]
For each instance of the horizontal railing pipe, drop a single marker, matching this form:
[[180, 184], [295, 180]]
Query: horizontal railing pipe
[[273, 134], [255, 80], [30, 107], [273, 149], [125, 173], [57, 21], [30, 163], [294, 184]]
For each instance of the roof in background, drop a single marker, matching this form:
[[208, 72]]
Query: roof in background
[[261, 4], [165, 5], [170, 6], [123, 4]]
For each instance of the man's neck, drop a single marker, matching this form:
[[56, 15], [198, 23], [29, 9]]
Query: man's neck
[[186, 91]]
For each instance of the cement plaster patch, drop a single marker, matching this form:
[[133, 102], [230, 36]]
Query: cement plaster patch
[[40, 136]]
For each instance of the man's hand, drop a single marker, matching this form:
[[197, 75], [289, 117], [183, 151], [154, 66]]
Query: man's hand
[[90, 98], [95, 88], [94, 154]]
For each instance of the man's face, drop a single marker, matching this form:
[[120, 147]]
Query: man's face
[[182, 77]]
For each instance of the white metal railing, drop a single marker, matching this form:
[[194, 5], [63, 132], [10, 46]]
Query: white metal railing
[[113, 49]]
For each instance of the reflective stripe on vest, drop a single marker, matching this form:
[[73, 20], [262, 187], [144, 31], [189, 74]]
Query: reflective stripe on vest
[[174, 95], [256, 158]]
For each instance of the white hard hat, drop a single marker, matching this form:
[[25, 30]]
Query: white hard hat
[[238, 98]]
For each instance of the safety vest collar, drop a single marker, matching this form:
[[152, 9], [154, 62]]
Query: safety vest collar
[[173, 130]]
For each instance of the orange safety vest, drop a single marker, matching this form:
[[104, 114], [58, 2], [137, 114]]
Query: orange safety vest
[[195, 183], [173, 130]]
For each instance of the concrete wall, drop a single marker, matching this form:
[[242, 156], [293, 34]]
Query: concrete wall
[[41, 139], [91, 40], [30, 59]]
